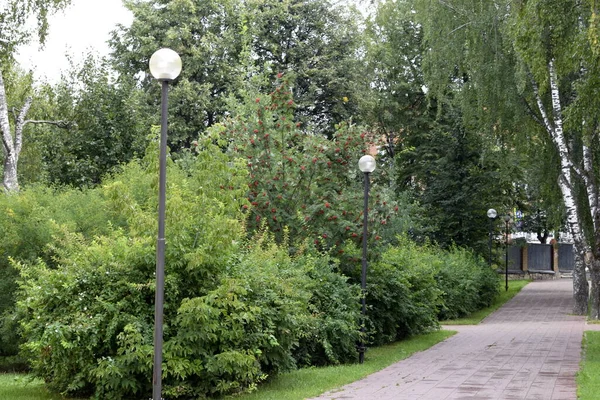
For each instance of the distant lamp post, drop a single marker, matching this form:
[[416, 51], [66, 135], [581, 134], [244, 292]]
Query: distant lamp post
[[367, 165], [492, 214], [507, 220], [165, 65]]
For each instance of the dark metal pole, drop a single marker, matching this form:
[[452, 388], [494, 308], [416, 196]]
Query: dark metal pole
[[160, 249], [490, 241], [506, 257], [363, 280]]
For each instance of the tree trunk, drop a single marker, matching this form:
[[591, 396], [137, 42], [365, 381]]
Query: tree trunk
[[580, 283], [565, 182], [11, 146], [595, 292], [10, 180]]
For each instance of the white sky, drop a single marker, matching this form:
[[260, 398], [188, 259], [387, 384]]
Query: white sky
[[83, 26]]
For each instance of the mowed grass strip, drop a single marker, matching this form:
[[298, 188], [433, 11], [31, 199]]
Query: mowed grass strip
[[310, 382], [514, 287], [22, 387], [588, 377]]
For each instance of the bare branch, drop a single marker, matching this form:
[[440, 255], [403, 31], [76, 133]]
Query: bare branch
[[61, 123], [546, 121], [532, 113]]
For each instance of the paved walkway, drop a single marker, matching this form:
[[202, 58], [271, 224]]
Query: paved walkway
[[529, 349]]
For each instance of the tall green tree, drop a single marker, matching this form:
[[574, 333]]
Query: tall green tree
[[445, 170], [316, 43], [225, 43], [108, 125], [445, 164], [208, 35], [396, 104], [529, 66]]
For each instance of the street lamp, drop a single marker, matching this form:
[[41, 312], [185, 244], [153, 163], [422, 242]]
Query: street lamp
[[507, 220], [165, 65], [492, 214], [367, 165]]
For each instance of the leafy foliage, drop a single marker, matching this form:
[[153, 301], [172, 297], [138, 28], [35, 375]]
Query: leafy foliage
[[28, 223], [15, 22], [413, 286], [402, 295], [223, 42], [314, 44], [208, 37], [302, 181], [103, 124], [448, 173], [466, 282], [233, 315]]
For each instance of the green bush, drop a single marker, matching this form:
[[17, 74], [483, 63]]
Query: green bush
[[234, 313], [467, 283], [244, 330], [28, 222], [333, 331], [402, 295]]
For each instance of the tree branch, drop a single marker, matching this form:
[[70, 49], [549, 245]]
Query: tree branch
[[7, 140], [532, 113], [546, 121], [19, 124], [61, 123]]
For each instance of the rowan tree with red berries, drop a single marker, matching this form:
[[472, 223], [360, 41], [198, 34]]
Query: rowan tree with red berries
[[301, 184]]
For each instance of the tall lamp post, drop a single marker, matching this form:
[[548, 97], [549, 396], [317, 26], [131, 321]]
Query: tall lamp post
[[507, 220], [492, 214], [367, 165], [165, 65]]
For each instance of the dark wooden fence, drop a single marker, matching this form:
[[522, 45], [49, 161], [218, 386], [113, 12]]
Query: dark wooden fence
[[566, 259], [515, 258], [540, 258]]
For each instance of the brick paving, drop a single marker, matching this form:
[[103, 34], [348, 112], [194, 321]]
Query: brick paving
[[529, 349]]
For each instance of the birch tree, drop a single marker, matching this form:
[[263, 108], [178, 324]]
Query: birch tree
[[524, 69], [14, 32]]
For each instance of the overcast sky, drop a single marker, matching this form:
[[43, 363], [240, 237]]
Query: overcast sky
[[84, 26]]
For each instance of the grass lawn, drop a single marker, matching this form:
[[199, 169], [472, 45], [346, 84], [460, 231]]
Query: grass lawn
[[588, 377], [514, 287], [21, 387], [310, 382]]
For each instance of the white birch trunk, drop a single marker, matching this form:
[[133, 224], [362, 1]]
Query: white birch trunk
[[592, 193], [582, 248], [11, 146], [590, 183]]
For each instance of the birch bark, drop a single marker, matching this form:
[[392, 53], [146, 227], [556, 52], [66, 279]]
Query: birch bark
[[582, 247], [592, 193], [11, 146]]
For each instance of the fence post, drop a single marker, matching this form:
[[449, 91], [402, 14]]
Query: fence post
[[555, 260]]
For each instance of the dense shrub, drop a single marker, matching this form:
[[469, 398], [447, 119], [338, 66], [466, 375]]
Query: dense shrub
[[466, 282], [236, 310], [413, 286], [28, 221], [402, 294], [234, 314], [332, 331]]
